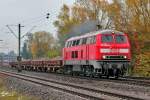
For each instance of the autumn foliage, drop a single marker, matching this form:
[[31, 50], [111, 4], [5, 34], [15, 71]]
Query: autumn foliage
[[42, 45], [130, 16]]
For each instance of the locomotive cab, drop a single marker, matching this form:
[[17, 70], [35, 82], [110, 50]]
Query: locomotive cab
[[114, 53]]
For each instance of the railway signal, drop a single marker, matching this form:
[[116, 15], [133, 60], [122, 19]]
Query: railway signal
[[47, 15]]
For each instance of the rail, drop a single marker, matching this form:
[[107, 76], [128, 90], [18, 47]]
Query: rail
[[83, 91]]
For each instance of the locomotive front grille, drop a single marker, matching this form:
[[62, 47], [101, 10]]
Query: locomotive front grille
[[115, 57]]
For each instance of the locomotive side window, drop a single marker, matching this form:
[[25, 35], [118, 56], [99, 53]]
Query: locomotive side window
[[120, 39], [69, 45], [107, 38], [74, 43], [80, 43], [84, 40], [88, 40], [93, 40], [77, 42], [66, 45]]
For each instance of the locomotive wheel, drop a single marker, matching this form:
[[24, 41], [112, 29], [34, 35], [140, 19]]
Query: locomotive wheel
[[84, 74], [71, 73], [91, 75], [107, 76], [107, 73], [99, 76], [115, 72]]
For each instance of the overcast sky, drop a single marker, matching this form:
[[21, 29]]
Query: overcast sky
[[29, 13]]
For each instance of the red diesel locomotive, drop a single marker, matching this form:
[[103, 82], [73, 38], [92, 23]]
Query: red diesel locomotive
[[99, 53]]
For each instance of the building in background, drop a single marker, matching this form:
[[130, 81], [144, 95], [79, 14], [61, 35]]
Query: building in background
[[6, 58]]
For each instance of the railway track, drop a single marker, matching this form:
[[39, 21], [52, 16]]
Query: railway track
[[136, 81], [130, 81], [82, 91], [141, 81]]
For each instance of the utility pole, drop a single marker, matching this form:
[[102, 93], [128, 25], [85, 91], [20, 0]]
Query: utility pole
[[19, 38], [19, 44], [19, 49]]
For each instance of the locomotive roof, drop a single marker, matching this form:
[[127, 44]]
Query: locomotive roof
[[95, 33]]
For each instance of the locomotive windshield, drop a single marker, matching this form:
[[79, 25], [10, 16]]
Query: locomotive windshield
[[107, 38], [116, 38], [120, 39]]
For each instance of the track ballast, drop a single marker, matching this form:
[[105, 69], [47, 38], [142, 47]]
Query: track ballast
[[75, 89]]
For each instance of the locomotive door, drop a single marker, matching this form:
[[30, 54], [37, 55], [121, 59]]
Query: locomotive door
[[87, 52]]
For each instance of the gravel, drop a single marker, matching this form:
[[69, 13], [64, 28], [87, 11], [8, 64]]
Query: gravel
[[135, 90], [39, 91]]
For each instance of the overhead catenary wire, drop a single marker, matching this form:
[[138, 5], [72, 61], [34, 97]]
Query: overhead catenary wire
[[38, 24], [28, 32], [31, 19], [35, 19], [29, 22], [11, 31], [33, 22], [34, 25], [2, 30]]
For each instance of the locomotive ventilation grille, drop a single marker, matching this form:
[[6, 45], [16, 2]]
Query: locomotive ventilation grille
[[115, 57]]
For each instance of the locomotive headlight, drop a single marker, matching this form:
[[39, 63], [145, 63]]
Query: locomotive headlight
[[105, 50], [123, 50], [125, 57], [104, 57]]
